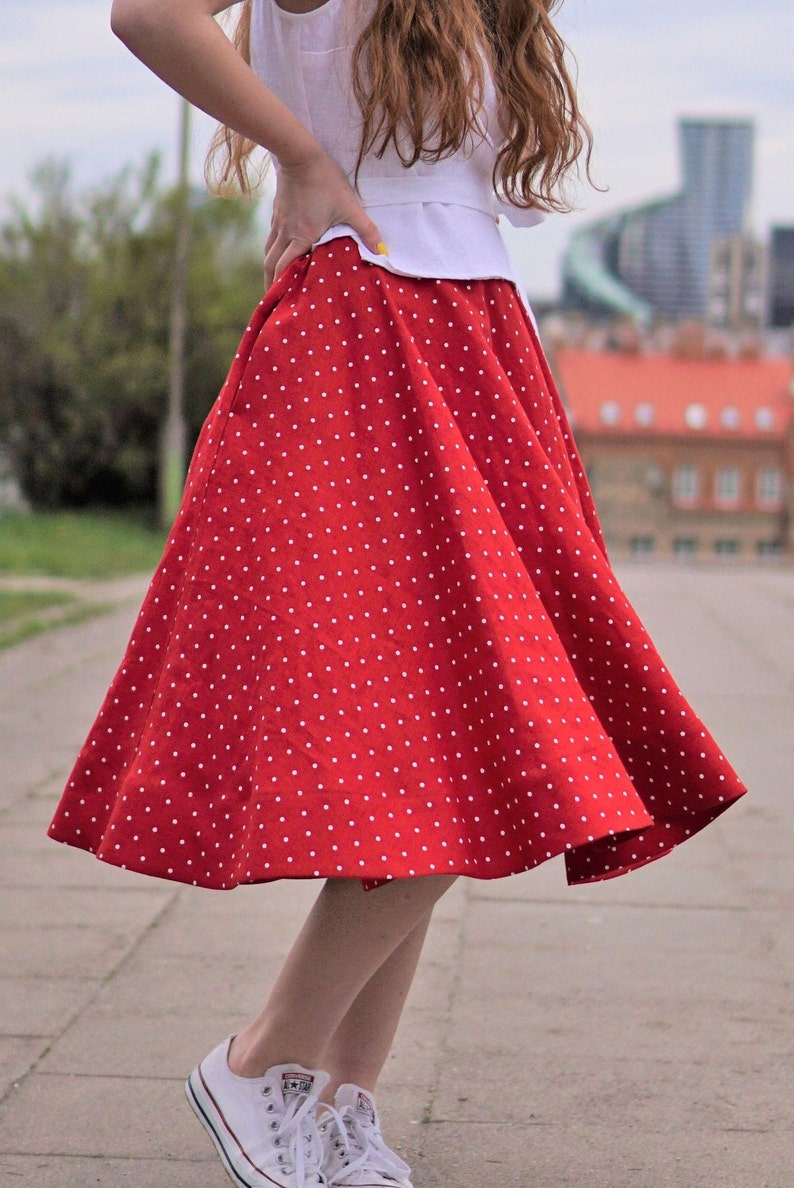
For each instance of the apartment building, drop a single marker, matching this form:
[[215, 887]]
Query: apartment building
[[686, 456]]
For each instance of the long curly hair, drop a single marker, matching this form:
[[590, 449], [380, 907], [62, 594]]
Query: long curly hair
[[419, 77]]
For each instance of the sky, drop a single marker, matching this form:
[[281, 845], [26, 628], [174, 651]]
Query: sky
[[69, 89]]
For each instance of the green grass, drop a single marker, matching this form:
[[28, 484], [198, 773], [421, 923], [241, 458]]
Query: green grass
[[25, 626], [78, 545], [14, 603]]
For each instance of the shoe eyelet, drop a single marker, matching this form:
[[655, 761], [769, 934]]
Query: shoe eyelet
[[274, 1126]]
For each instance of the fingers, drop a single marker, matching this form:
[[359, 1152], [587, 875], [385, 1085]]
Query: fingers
[[281, 251], [370, 235], [280, 254]]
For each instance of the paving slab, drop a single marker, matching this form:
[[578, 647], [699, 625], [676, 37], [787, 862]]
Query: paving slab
[[576, 1156], [62, 1171], [76, 952], [54, 908], [113, 1117], [18, 1054], [49, 688]]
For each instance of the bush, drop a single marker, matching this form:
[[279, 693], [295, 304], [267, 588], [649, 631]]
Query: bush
[[85, 293]]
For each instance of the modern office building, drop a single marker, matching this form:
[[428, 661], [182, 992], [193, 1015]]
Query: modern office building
[[655, 259], [780, 272], [737, 285]]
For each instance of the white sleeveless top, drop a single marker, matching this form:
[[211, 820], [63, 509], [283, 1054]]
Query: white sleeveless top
[[437, 218]]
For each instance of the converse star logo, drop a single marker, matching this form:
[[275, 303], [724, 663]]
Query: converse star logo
[[296, 1082], [365, 1106]]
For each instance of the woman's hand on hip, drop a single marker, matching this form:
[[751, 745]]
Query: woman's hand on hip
[[312, 195]]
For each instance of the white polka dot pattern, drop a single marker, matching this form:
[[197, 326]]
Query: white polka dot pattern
[[385, 639]]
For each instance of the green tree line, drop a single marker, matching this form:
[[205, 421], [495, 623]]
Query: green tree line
[[85, 293]]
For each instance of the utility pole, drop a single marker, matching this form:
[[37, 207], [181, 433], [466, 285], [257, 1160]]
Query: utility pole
[[172, 442]]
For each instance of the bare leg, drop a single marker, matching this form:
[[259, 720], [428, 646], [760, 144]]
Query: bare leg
[[361, 1043], [347, 937]]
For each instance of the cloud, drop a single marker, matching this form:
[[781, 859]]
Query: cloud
[[69, 88], [643, 65], [638, 74]]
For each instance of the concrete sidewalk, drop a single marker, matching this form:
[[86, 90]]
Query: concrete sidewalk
[[636, 1033]]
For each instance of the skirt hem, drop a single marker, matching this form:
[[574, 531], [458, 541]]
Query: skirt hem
[[618, 853]]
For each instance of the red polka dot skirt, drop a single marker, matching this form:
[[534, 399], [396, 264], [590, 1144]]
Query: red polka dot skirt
[[384, 639]]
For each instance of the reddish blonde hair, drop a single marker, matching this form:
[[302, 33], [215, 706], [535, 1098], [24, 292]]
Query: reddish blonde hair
[[419, 79]]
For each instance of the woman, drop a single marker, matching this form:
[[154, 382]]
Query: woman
[[384, 646]]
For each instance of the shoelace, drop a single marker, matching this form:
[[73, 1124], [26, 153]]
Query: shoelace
[[364, 1143], [298, 1140]]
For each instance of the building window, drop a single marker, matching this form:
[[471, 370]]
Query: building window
[[727, 486], [644, 414], [655, 478], [769, 488], [610, 412], [686, 485], [768, 548], [764, 419], [696, 416], [641, 545], [726, 548], [730, 417], [685, 546]]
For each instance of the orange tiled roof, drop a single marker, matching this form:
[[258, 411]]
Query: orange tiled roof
[[619, 394]]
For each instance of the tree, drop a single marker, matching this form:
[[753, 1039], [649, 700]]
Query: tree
[[84, 308]]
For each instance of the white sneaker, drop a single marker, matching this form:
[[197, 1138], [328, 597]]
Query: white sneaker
[[354, 1153], [264, 1128]]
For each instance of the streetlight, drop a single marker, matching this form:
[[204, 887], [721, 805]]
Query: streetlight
[[173, 439]]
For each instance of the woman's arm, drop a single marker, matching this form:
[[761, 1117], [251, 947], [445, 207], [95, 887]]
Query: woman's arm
[[182, 43]]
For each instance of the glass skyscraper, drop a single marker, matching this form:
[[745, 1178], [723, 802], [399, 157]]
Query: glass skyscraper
[[656, 258], [781, 278]]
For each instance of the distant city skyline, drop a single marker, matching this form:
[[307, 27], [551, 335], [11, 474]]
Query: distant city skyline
[[658, 258], [69, 89]]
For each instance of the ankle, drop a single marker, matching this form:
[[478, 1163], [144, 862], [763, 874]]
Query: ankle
[[352, 1064], [243, 1062], [253, 1058]]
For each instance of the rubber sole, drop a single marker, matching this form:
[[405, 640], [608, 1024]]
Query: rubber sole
[[209, 1118]]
